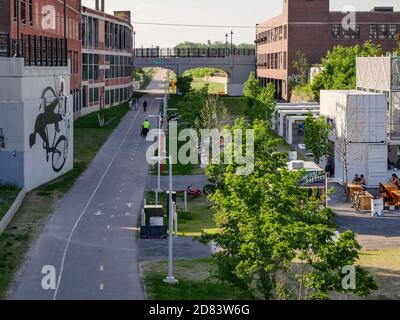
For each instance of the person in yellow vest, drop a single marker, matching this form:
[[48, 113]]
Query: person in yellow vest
[[145, 128]]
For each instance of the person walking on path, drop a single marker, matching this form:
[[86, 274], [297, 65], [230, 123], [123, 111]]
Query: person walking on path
[[145, 128], [136, 105], [145, 106]]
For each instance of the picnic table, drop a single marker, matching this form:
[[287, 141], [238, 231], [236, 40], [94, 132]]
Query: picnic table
[[352, 187], [391, 190]]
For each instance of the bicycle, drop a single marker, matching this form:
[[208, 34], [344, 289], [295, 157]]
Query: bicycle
[[355, 200], [54, 113]]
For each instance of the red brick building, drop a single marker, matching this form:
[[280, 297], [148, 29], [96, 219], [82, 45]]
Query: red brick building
[[41, 29], [309, 26], [106, 58]]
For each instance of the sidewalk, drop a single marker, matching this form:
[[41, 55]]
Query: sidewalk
[[373, 233]]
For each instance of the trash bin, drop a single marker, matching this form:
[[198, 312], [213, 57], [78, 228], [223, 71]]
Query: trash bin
[[377, 207]]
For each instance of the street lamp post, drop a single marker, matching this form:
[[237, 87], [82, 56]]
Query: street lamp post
[[134, 43], [159, 154], [231, 43], [170, 279], [226, 44]]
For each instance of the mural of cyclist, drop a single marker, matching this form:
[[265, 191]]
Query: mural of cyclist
[[52, 105]]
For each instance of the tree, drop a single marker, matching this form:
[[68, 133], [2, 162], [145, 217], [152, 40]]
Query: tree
[[397, 39], [213, 115], [339, 67], [260, 101], [301, 65], [267, 221], [213, 45], [184, 84], [316, 134]]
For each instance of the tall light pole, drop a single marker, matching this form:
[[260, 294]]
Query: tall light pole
[[159, 154], [170, 279], [231, 43], [134, 43], [226, 44]]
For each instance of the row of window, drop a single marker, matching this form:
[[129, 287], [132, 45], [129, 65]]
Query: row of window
[[275, 60], [376, 31], [117, 36], [90, 32], [117, 95], [90, 67], [76, 99], [272, 35], [26, 11], [119, 66], [73, 57]]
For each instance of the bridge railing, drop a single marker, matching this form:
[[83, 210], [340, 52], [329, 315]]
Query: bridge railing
[[191, 52]]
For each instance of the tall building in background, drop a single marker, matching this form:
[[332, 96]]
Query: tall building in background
[[40, 85], [106, 58], [309, 26], [41, 30]]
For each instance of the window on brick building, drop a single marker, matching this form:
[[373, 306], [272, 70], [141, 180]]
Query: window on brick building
[[30, 13], [336, 31], [23, 12], [392, 31], [85, 67], [383, 32], [373, 31], [352, 32]]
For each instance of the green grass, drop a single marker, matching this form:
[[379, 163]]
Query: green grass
[[194, 282], [213, 87], [8, 194], [40, 203], [236, 105], [197, 221]]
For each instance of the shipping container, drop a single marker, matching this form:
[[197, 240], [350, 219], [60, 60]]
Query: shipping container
[[359, 133]]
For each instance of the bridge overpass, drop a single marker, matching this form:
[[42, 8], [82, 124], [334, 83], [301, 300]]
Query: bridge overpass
[[236, 63]]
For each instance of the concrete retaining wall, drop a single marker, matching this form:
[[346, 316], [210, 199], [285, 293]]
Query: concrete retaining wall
[[12, 211]]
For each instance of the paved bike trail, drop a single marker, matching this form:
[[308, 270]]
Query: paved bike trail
[[91, 237]]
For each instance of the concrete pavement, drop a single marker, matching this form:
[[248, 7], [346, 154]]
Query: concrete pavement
[[90, 239], [373, 233]]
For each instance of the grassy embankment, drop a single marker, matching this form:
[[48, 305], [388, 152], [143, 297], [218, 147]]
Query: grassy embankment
[[195, 281]]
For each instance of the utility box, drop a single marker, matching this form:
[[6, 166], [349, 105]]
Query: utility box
[[152, 223], [359, 134]]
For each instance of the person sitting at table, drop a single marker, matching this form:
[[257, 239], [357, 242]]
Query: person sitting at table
[[362, 182], [395, 180], [356, 179]]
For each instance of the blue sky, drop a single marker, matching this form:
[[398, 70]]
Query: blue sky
[[214, 12]]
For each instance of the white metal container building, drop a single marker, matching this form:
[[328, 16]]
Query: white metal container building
[[359, 133]]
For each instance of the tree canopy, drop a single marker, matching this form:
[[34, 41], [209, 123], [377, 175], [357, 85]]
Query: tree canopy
[[214, 45], [276, 240], [184, 84], [339, 67], [316, 133], [260, 101]]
